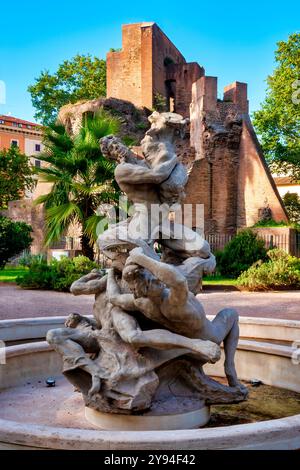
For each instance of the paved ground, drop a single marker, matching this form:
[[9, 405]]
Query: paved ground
[[17, 303], [255, 304]]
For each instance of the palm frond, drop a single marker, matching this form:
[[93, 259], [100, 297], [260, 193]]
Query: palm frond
[[81, 177], [56, 135], [57, 220], [90, 227], [41, 199]]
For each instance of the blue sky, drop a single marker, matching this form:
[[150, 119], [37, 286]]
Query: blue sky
[[233, 40]]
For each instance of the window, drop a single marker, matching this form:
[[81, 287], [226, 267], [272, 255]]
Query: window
[[37, 147], [15, 124], [20, 125], [28, 126], [14, 143], [37, 163], [2, 122]]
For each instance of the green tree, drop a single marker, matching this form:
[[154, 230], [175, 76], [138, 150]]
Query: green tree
[[14, 238], [15, 175], [278, 120], [83, 77], [292, 204], [82, 179]]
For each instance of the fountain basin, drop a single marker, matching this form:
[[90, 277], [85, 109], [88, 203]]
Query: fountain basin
[[33, 416]]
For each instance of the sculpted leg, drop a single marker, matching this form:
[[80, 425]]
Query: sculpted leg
[[225, 327], [185, 240], [74, 345], [130, 332]]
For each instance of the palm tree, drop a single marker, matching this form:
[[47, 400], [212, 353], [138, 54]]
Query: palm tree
[[81, 177]]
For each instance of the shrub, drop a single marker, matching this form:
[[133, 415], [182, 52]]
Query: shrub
[[40, 276], [292, 205], [273, 223], [240, 253], [57, 275], [280, 271], [14, 238], [27, 259], [68, 270]]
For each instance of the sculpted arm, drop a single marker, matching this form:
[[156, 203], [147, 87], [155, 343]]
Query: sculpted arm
[[140, 174], [132, 169], [92, 283], [112, 148], [114, 295], [167, 274]]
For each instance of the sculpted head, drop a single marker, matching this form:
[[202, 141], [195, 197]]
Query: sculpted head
[[164, 128], [141, 282]]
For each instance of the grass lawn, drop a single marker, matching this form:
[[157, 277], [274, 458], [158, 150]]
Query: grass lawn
[[218, 281], [10, 274]]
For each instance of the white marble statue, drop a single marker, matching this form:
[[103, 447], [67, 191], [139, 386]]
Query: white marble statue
[[150, 337]]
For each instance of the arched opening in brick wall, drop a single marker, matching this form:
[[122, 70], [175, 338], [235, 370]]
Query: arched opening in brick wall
[[170, 94]]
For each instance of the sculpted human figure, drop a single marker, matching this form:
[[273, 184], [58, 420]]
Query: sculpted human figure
[[153, 184], [78, 339], [161, 293], [80, 336], [149, 332]]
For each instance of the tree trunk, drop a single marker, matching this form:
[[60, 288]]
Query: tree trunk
[[87, 249]]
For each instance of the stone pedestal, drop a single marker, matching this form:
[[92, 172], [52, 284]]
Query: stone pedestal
[[148, 422]]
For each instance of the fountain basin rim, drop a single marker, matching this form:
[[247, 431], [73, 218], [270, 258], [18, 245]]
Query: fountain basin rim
[[25, 329], [247, 345], [280, 433]]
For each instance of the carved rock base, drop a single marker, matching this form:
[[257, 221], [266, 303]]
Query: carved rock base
[[148, 422]]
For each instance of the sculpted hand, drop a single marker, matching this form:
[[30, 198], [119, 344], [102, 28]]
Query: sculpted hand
[[106, 146], [73, 320], [94, 274], [113, 149], [134, 256]]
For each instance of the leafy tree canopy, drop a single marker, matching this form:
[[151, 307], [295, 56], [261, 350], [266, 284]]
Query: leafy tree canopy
[[292, 204], [14, 237], [278, 120], [15, 175], [83, 77]]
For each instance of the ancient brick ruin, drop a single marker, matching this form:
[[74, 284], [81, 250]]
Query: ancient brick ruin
[[149, 66], [228, 173]]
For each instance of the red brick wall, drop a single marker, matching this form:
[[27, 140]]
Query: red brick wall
[[236, 175], [198, 189], [256, 187], [162, 48], [124, 79], [231, 178], [138, 72], [184, 75]]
